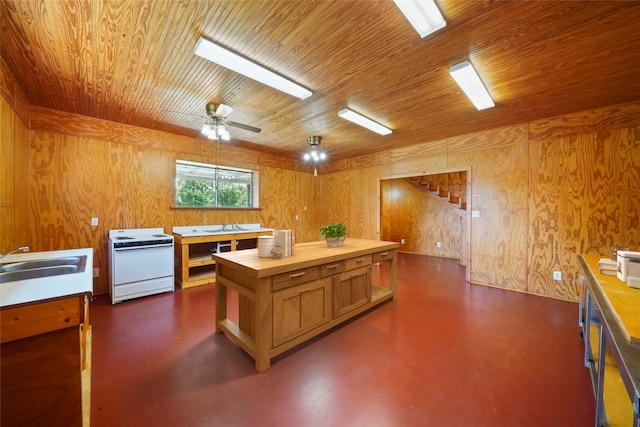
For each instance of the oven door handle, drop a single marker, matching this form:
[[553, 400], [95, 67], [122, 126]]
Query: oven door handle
[[140, 248]]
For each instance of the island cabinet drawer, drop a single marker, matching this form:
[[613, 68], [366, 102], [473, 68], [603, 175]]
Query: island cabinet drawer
[[357, 262], [382, 256], [331, 268], [293, 278]]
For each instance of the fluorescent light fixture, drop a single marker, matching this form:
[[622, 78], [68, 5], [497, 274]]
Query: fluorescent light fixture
[[363, 121], [422, 14], [468, 80], [234, 62]]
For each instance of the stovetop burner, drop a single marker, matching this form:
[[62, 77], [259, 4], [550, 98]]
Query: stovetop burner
[[139, 237]]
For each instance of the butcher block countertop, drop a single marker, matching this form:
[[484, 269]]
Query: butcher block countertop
[[306, 254], [624, 300]]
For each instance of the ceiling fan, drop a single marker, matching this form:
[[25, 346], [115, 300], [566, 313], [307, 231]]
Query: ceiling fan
[[216, 122]]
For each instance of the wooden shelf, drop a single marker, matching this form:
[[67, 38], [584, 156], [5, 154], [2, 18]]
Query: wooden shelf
[[196, 267], [381, 293], [196, 261]]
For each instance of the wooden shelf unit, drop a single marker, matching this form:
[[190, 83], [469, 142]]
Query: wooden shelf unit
[[285, 302], [607, 305], [195, 265]]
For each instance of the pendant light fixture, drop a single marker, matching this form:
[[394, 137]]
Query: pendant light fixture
[[314, 154]]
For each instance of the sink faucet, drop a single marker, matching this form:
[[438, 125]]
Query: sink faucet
[[21, 248], [224, 225]]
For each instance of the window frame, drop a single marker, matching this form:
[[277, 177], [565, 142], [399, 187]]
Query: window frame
[[255, 190]]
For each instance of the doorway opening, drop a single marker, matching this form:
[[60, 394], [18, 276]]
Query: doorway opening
[[428, 215]]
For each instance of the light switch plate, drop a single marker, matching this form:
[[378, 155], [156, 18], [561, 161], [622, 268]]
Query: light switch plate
[[557, 275], [94, 221]]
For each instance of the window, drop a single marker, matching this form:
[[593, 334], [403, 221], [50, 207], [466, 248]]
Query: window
[[204, 185]]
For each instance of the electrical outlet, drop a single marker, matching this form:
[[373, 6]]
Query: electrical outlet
[[402, 241], [96, 272], [296, 217], [438, 244], [94, 222], [557, 275], [475, 214]]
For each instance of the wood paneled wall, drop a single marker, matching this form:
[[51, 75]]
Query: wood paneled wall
[[14, 164], [584, 198], [544, 191], [73, 179]]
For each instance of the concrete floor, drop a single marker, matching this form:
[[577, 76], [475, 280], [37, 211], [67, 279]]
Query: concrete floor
[[446, 353]]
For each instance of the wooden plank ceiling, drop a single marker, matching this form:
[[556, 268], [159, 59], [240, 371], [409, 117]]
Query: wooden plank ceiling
[[132, 61]]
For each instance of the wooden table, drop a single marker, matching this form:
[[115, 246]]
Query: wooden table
[[615, 306], [284, 302]]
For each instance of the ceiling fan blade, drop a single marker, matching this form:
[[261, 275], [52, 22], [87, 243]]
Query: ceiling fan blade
[[245, 127]]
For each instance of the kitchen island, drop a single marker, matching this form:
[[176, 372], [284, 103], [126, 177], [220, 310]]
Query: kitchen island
[[285, 302]]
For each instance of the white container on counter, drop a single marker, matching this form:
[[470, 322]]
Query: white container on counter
[[265, 244], [628, 266]]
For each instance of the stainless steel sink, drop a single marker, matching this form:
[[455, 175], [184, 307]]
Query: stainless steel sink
[[11, 272], [213, 230], [39, 263]]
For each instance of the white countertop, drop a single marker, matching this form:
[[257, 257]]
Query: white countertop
[[207, 230], [25, 291]]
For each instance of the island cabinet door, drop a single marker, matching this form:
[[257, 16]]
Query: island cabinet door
[[351, 290], [299, 309]]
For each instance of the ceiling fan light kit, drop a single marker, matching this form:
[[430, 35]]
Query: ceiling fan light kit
[[465, 75], [214, 131], [363, 121], [314, 154], [221, 56], [424, 15]]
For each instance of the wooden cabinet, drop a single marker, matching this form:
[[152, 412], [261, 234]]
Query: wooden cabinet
[[194, 264], [46, 369], [299, 309], [285, 302]]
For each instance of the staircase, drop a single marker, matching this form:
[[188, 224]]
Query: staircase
[[450, 188]]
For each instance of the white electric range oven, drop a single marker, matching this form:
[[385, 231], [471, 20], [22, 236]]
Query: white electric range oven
[[140, 263]]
